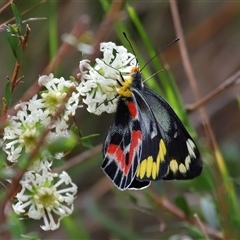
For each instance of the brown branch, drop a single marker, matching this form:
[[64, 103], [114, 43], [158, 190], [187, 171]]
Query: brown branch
[[226, 84], [23, 42], [201, 226], [14, 79], [5, 6], [79, 158], [183, 48], [178, 213], [106, 26], [25, 37], [100, 188], [22, 14]]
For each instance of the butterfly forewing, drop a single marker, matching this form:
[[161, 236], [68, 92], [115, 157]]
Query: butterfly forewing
[[123, 145], [183, 157], [153, 164]]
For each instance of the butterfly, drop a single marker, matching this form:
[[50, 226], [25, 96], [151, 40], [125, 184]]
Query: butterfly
[[147, 141]]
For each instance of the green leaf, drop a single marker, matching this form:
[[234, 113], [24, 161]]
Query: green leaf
[[105, 5], [133, 199], [8, 94], [63, 144], [75, 228], [75, 130], [23, 160], [110, 224], [194, 232], [181, 202], [72, 79], [209, 211], [86, 140], [13, 40], [15, 226], [30, 236], [238, 101], [18, 18]]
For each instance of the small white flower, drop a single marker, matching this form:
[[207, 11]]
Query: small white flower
[[22, 132], [99, 85], [47, 196], [24, 129], [42, 80], [82, 47], [39, 164], [55, 93]]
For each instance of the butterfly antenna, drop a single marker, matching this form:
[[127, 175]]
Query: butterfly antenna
[[153, 75], [125, 35], [175, 40]]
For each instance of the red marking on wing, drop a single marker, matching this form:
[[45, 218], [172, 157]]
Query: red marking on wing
[[132, 109], [116, 152], [136, 138]]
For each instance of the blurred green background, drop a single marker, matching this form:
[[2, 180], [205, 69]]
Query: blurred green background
[[212, 35]]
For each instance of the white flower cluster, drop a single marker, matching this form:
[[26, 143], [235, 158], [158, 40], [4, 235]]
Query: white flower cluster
[[46, 195], [99, 84], [43, 194]]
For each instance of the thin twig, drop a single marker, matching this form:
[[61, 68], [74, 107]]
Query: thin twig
[[201, 226], [106, 25], [178, 213], [25, 37], [22, 14], [183, 48], [226, 84], [14, 80], [102, 186], [79, 158], [5, 6], [34, 19]]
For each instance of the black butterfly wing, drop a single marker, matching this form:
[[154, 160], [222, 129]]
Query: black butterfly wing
[[123, 146], [153, 164], [138, 184], [183, 157], [148, 142], [134, 138]]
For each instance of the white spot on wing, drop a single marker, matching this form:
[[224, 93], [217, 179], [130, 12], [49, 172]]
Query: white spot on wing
[[187, 162], [175, 135], [182, 168], [173, 165], [190, 147], [154, 132]]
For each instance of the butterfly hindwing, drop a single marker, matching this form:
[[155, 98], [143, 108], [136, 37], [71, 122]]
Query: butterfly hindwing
[[123, 145], [183, 157]]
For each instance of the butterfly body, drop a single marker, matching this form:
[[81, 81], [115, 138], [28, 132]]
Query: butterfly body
[[147, 141]]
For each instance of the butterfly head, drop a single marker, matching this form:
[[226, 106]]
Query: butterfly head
[[134, 80]]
